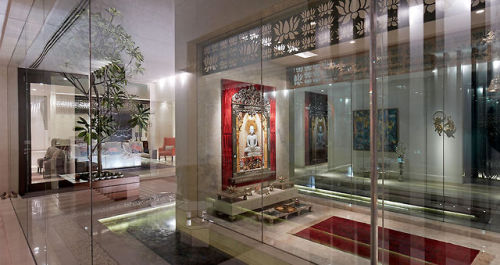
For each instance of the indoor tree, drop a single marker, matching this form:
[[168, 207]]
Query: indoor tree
[[107, 90], [140, 118]]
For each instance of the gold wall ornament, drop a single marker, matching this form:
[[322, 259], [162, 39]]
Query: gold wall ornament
[[449, 127], [443, 124]]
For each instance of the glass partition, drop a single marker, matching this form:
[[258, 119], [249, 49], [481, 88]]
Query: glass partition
[[215, 132], [430, 129], [53, 208], [134, 146]]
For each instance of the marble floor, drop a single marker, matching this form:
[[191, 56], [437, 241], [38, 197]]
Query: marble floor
[[63, 228], [59, 226], [281, 234], [14, 250]]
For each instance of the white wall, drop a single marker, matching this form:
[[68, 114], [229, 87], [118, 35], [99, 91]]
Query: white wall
[[162, 113], [340, 125], [4, 132], [13, 129]]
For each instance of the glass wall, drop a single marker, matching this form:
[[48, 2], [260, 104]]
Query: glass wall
[[434, 118], [49, 150], [257, 132], [97, 132]]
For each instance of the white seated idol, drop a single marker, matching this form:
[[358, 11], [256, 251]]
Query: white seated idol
[[252, 148]]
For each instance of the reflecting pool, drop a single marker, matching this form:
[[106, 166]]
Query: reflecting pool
[[156, 229]]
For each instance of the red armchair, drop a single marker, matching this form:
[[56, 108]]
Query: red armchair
[[168, 148]]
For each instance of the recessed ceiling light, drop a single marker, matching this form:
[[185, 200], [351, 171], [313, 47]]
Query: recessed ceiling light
[[480, 11], [33, 89], [352, 42], [306, 54]]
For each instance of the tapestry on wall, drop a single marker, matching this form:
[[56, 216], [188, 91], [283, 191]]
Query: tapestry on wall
[[387, 128], [248, 133], [316, 128]]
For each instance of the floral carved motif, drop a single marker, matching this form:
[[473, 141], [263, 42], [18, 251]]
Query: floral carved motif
[[320, 24], [286, 30], [352, 9]]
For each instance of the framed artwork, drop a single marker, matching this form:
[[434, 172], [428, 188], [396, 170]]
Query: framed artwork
[[248, 133], [388, 130], [316, 128]]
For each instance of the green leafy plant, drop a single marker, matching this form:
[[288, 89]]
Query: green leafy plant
[[107, 90], [140, 118]]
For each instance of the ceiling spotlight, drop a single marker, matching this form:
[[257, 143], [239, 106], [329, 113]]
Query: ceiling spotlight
[[352, 42], [480, 11], [306, 54]]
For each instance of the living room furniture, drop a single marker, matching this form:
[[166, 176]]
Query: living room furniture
[[168, 148], [55, 163], [55, 160]]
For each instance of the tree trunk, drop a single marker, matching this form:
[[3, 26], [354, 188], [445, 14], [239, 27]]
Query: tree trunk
[[99, 158]]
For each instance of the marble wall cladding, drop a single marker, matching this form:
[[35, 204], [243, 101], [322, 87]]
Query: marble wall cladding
[[4, 132], [299, 125], [209, 122], [340, 128], [275, 76]]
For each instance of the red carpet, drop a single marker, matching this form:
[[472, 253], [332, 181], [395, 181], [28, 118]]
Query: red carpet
[[395, 248]]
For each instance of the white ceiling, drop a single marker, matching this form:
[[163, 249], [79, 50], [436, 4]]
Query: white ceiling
[[27, 25], [31, 23]]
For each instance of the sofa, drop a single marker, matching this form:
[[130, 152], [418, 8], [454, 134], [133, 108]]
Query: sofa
[[55, 160]]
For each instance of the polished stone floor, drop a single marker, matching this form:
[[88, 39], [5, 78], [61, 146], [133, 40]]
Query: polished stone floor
[[281, 235], [14, 250], [59, 228]]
